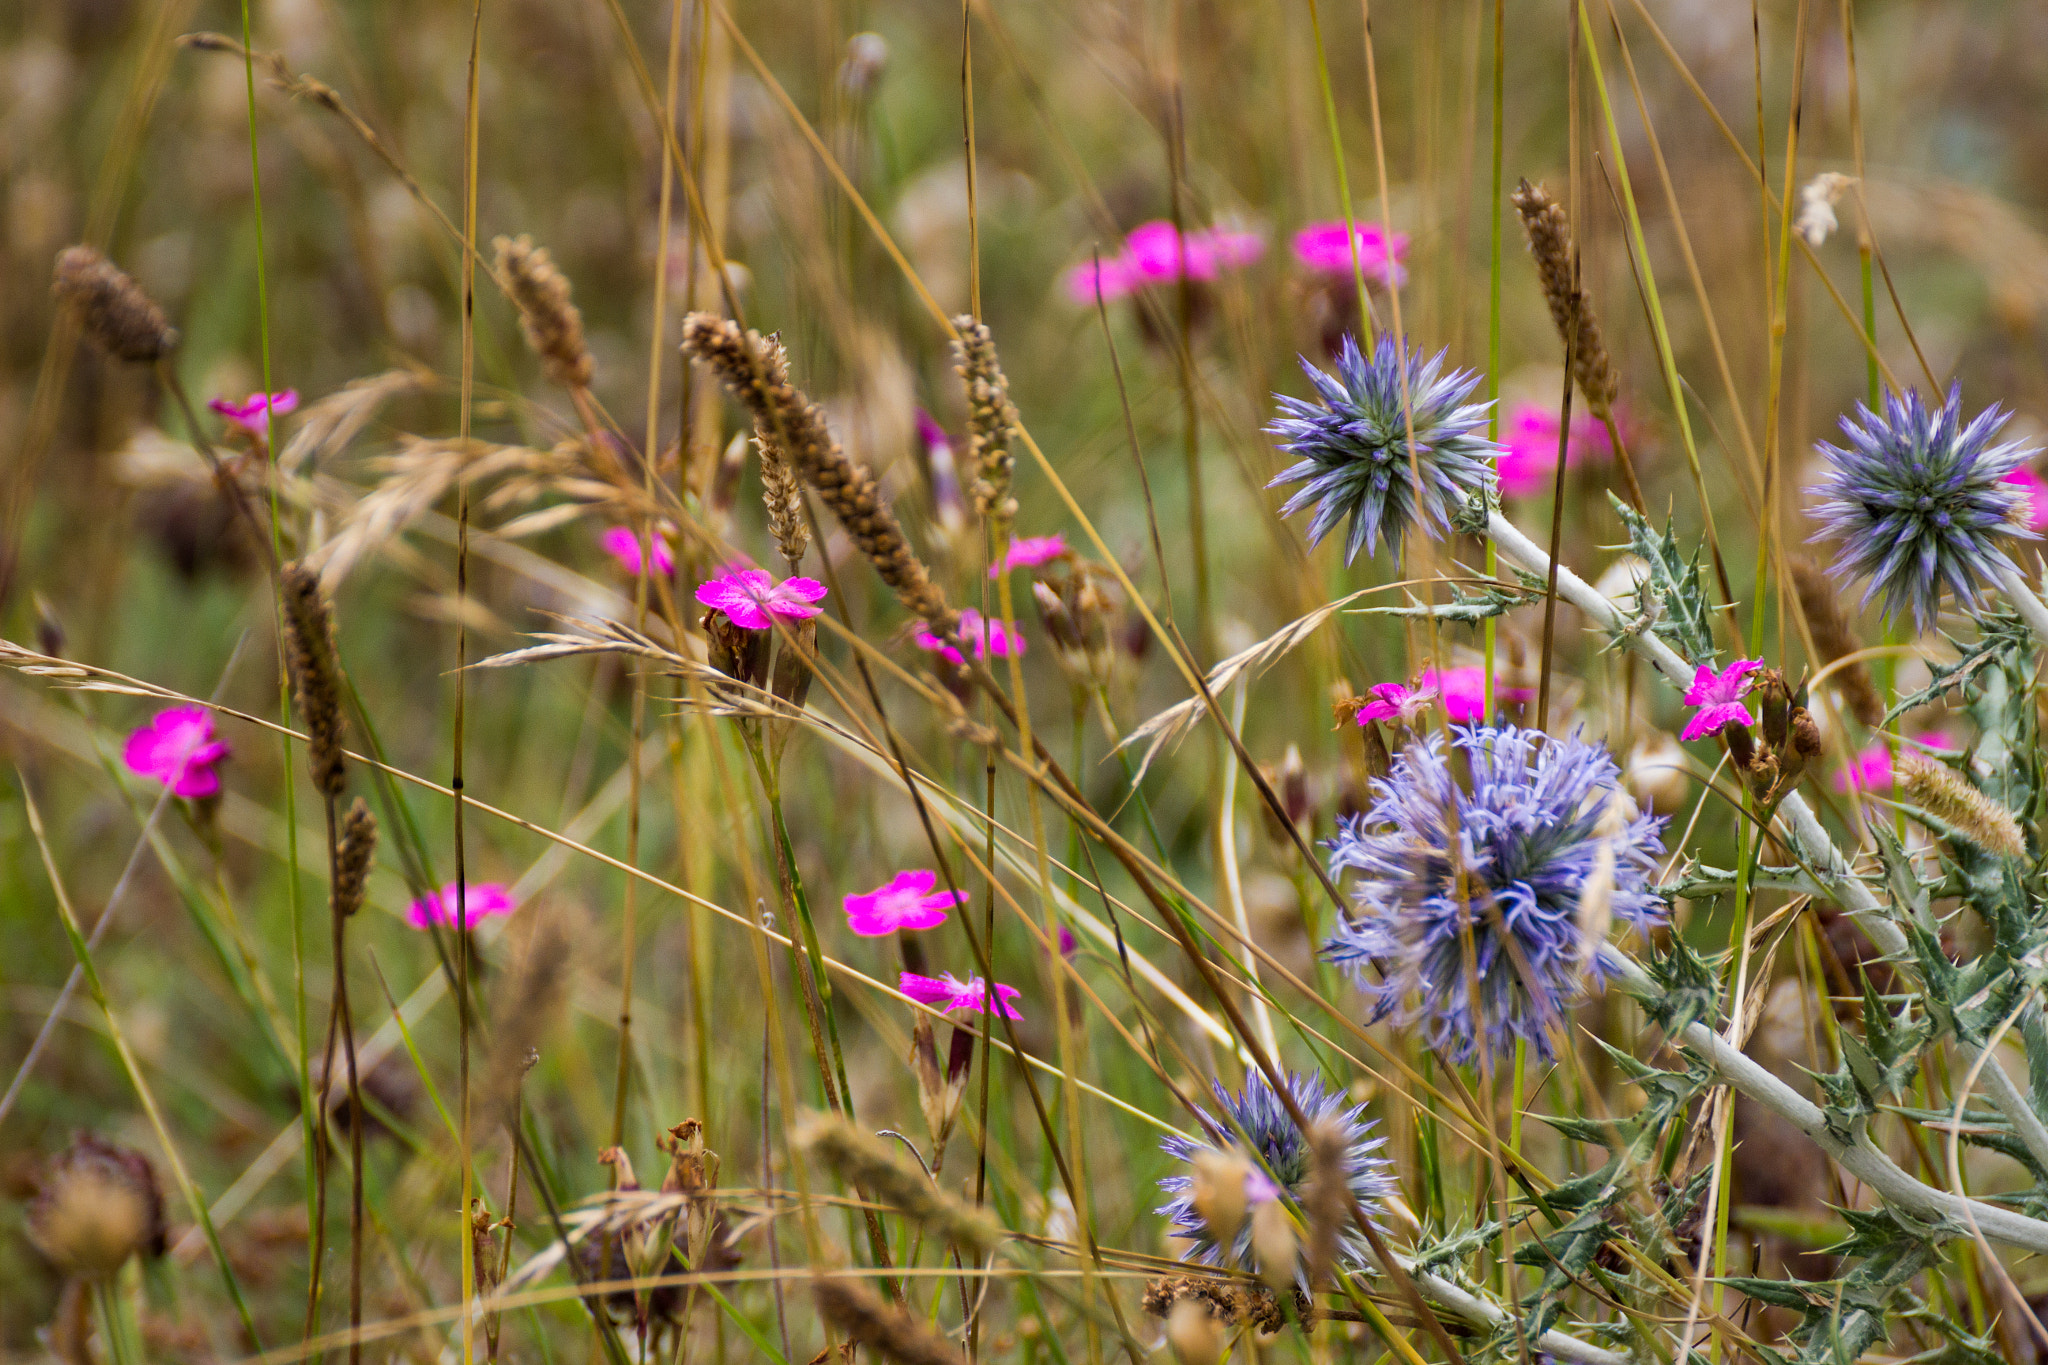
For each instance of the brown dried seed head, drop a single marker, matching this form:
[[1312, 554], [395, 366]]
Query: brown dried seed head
[[780, 491], [316, 673], [864, 1161], [552, 323], [1550, 242], [121, 319], [754, 373], [97, 1205], [352, 859], [1942, 793], [991, 420], [858, 1311], [1820, 601]]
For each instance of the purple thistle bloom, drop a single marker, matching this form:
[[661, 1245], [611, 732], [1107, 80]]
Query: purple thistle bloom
[[1255, 1121], [1526, 843], [1354, 452], [1918, 500]]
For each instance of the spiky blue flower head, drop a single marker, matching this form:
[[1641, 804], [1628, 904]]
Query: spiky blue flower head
[[1354, 452], [1523, 814], [1918, 500], [1254, 1119]]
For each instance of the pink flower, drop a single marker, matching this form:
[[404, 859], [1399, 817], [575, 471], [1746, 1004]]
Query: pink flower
[[1719, 697], [931, 433], [248, 414], [747, 596], [1028, 552], [1156, 253], [905, 902], [1871, 769], [623, 544], [1529, 462], [2037, 495], [950, 993], [1464, 692], [1394, 701], [1068, 944], [1259, 1187], [178, 749], [479, 902], [1326, 249], [989, 637]]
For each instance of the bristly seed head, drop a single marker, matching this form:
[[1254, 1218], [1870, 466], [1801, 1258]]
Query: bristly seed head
[[552, 323], [352, 858], [1918, 501], [316, 672], [1355, 456], [1449, 861]]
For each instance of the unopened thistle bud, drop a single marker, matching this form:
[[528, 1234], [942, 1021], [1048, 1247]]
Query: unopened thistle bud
[[352, 859], [97, 1205], [1550, 242], [119, 318], [991, 421], [1942, 793], [551, 321], [316, 672]]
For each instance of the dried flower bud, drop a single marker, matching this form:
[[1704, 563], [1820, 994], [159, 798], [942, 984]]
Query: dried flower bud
[[96, 1205], [1293, 787], [552, 323], [119, 318], [1806, 736], [1763, 772]]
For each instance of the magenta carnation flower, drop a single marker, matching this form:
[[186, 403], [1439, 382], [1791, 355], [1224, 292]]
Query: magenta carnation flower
[[907, 901], [1464, 692], [1028, 552], [748, 597], [1530, 459], [1326, 249], [1719, 698], [1157, 253], [623, 544], [248, 414], [951, 994], [482, 901], [1395, 701], [989, 637], [1871, 769], [178, 749]]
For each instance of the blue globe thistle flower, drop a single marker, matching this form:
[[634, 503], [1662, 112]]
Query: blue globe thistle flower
[[1262, 1124], [1529, 833], [1918, 501], [1354, 445]]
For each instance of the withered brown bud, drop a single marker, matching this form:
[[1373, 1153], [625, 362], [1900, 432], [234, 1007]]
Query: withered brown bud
[[96, 1205], [118, 317], [1806, 738]]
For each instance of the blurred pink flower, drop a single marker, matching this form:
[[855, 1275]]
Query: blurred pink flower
[[950, 993], [1719, 697], [1464, 692], [1156, 253], [1326, 249], [248, 414], [747, 596], [178, 749], [623, 544], [1871, 769], [479, 902], [905, 902], [1395, 701], [1530, 458], [1068, 944], [989, 637], [2037, 495], [1028, 552]]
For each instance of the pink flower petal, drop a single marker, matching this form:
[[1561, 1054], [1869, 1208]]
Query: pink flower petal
[[178, 749], [1028, 552], [484, 900]]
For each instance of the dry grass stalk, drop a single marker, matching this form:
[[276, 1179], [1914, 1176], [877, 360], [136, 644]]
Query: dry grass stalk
[[316, 672], [551, 321], [890, 1332], [121, 319], [1820, 601], [991, 420], [1937, 790], [865, 1162], [326, 426], [352, 859], [746, 365], [1550, 242]]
